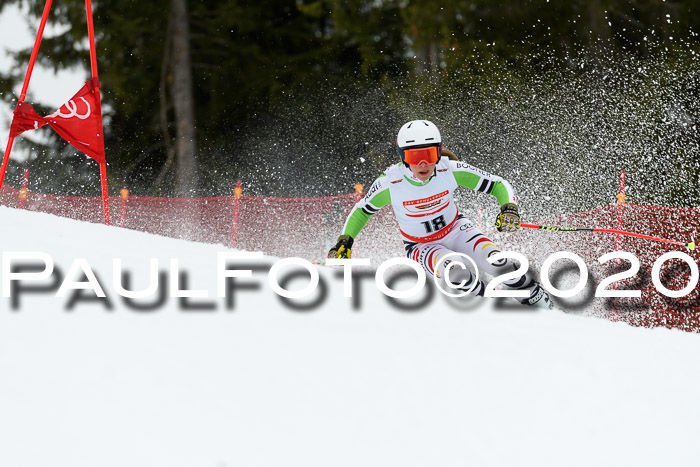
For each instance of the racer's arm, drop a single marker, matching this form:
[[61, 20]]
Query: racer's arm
[[479, 180], [376, 198], [466, 175]]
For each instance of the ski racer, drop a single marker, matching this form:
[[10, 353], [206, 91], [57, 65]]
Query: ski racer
[[420, 189]]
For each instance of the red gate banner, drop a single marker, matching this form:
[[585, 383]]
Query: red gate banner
[[78, 121]]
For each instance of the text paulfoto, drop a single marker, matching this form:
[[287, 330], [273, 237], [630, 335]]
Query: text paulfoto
[[21, 268]]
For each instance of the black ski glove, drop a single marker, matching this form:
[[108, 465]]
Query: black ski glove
[[342, 248], [509, 219]]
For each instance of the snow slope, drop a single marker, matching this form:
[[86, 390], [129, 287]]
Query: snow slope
[[263, 384]]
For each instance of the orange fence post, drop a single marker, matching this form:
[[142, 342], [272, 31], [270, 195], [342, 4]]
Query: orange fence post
[[237, 192], [620, 203], [358, 191], [618, 238], [24, 191], [124, 193]]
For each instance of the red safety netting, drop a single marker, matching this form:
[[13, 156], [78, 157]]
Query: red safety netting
[[308, 227]]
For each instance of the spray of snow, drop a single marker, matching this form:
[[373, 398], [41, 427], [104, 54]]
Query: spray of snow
[[269, 384]]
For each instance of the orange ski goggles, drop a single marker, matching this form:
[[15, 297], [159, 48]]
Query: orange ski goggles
[[429, 155]]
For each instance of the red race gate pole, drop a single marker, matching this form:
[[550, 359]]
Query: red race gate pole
[[93, 65], [27, 77]]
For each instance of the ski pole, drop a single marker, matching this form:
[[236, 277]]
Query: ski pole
[[689, 245]]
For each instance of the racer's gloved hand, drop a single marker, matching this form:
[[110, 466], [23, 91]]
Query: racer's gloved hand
[[509, 219], [342, 248]]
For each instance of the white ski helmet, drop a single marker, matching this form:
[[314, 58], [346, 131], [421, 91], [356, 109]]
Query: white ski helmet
[[418, 134]]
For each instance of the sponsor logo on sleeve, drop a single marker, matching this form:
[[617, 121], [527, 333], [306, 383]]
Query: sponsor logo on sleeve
[[471, 168], [373, 190]]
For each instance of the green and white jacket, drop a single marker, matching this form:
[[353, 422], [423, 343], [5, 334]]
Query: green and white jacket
[[426, 210]]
